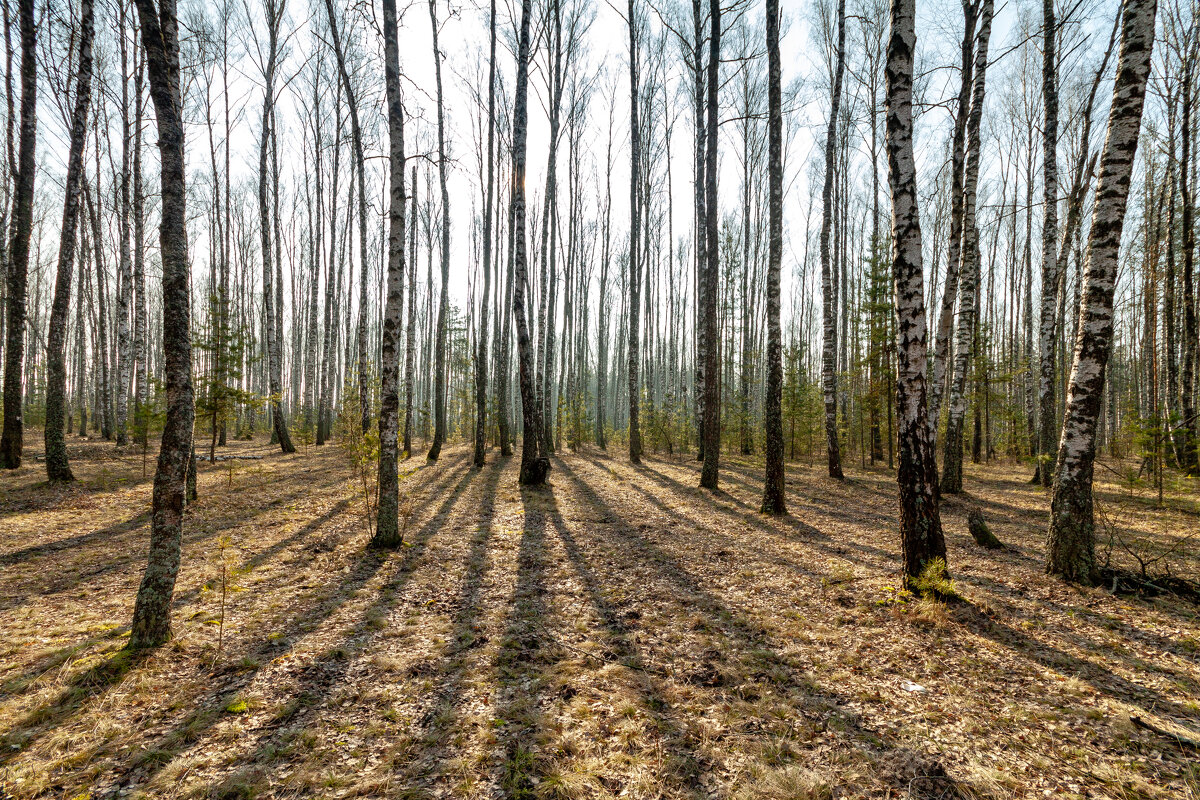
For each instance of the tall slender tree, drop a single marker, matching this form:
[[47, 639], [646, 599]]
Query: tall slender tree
[[57, 468], [635, 211], [921, 538], [773, 489], [360, 167], [443, 321], [387, 528], [534, 463], [829, 363], [1070, 551], [152, 612], [711, 436], [481, 375], [969, 269], [18, 250], [274, 12], [1047, 332], [945, 325]]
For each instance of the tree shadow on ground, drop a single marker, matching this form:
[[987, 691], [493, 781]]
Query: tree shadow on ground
[[737, 659], [90, 685], [1097, 675], [116, 549], [1045, 655], [14, 557], [316, 681], [871, 557], [14, 684], [440, 709]]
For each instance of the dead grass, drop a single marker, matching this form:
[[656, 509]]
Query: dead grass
[[619, 633]]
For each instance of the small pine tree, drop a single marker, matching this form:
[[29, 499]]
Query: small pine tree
[[360, 449], [222, 354]]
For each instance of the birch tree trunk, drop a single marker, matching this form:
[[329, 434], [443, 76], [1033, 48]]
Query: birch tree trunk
[[360, 165], [504, 341], [968, 266], [828, 301], [701, 218], [602, 308], [125, 356], [941, 345], [443, 321], [711, 435], [411, 341], [274, 12], [387, 526], [1189, 461], [635, 154], [152, 612], [921, 537], [773, 489], [1071, 541], [141, 322], [18, 251], [534, 464], [481, 374], [57, 468], [1047, 334], [103, 416]]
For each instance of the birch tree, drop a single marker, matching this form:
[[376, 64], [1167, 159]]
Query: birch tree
[[921, 539], [1047, 334], [1070, 547], [387, 526], [534, 463], [968, 265], [711, 434], [360, 168], [829, 368], [18, 250], [274, 11], [634, 353], [481, 374], [152, 612], [57, 468], [439, 370], [773, 489]]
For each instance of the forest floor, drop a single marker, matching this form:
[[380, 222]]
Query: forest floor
[[619, 633]]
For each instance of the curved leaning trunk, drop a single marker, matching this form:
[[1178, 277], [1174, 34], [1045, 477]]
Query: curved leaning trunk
[[1071, 539], [57, 468], [941, 345]]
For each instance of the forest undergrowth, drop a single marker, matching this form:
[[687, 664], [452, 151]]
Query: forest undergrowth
[[617, 633]]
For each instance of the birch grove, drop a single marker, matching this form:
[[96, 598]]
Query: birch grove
[[676, 215]]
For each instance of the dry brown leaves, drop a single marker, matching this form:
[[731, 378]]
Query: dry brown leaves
[[619, 633]]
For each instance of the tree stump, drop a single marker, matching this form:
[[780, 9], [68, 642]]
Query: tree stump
[[981, 531]]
